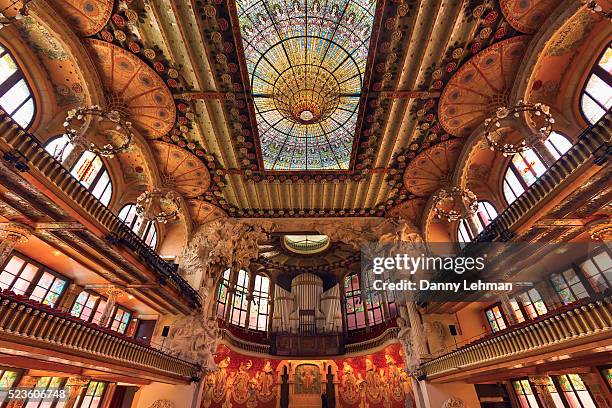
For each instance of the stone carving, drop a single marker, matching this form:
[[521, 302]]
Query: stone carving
[[163, 403], [194, 338], [453, 402], [435, 329], [218, 245]]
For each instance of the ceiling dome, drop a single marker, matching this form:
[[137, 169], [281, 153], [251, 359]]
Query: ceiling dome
[[306, 244]]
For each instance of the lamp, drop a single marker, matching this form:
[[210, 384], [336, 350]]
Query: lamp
[[455, 203]]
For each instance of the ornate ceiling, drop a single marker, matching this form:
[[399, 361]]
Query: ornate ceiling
[[307, 109]]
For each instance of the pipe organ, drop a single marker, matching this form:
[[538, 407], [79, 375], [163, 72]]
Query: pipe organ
[[307, 309]]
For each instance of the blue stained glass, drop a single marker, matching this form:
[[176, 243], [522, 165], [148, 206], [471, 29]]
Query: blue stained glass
[[306, 60]]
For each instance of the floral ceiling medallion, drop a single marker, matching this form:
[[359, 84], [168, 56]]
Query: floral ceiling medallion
[[306, 63]]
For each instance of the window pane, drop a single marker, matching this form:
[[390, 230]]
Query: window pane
[[600, 91], [25, 114], [591, 110], [59, 147], [7, 67], [15, 96], [512, 186], [87, 168]]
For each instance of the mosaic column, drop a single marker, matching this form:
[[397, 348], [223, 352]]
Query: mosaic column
[[507, 308], [598, 388], [75, 386], [113, 294], [542, 384], [11, 234], [69, 297], [79, 146]]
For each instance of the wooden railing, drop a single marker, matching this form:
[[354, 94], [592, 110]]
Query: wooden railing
[[29, 152], [581, 322], [24, 321], [593, 144]]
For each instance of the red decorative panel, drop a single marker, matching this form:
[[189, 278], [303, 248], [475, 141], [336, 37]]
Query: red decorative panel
[[376, 380]]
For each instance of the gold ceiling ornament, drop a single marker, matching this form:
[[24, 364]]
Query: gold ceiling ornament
[[595, 8], [108, 122], [22, 12], [455, 203], [16, 232], [305, 95], [538, 113], [161, 205]]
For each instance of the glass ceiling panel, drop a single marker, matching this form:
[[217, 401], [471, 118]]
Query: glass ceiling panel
[[306, 60]]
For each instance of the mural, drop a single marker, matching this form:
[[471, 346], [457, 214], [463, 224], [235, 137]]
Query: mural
[[373, 381]]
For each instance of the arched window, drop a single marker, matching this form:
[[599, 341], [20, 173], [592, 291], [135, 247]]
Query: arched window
[[597, 95], [484, 215], [131, 218], [89, 169], [525, 167], [15, 94], [260, 308], [355, 316]]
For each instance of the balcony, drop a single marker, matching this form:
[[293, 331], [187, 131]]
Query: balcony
[[593, 144], [26, 154], [30, 329], [576, 327]]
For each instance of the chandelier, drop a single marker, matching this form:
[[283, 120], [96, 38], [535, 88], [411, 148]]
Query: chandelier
[[158, 205], [540, 115], [595, 8], [111, 123], [21, 13], [455, 203]]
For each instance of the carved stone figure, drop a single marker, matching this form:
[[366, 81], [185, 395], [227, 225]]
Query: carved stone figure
[[194, 338]]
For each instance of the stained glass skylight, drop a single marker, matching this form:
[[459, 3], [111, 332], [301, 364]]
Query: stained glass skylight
[[306, 60]]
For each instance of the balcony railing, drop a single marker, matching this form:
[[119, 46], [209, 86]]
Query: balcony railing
[[29, 149], [593, 144], [23, 321], [245, 345], [579, 323]]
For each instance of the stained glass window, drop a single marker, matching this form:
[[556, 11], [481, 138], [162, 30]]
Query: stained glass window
[[532, 303], [484, 215], [89, 169], [30, 279], [575, 392], [130, 217], [306, 61], [597, 95], [47, 383], [259, 310], [8, 379], [598, 271], [495, 317], [88, 307], [15, 94], [92, 397], [568, 286], [121, 320], [355, 315], [526, 167], [373, 300], [525, 394]]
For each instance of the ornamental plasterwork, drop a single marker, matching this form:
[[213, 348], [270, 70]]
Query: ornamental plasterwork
[[453, 402], [163, 403]]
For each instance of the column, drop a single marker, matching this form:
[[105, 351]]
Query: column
[[507, 308], [132, 326], [113, 294], [69, 297], [79, 146], [418, 336], [75, 386], [541, 383], [11, 234]]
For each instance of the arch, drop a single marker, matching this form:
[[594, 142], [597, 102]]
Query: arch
[[596, 98], [524, 168], [147, 231], [16, 96], [484, 215], [89, 169]]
